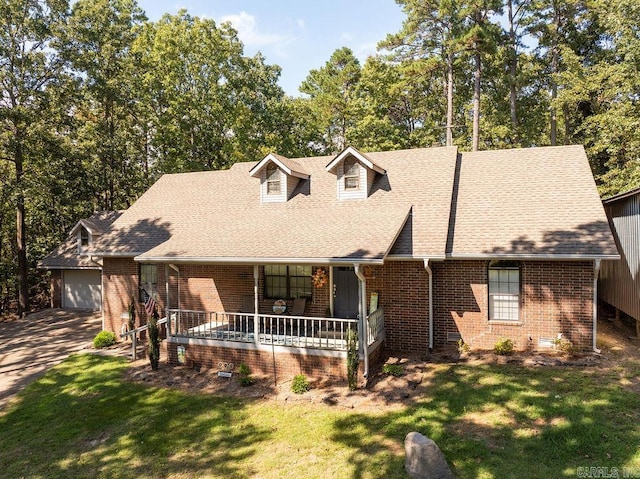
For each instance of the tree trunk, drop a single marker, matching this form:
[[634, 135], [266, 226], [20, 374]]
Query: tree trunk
[[513, 71], [476, 101], [449, 100], [553, 134], [21, 235]]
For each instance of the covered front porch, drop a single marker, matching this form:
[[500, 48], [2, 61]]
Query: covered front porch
[[243, 325]]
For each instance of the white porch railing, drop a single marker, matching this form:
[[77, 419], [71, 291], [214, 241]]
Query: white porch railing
[[376, 326], [279, 330]]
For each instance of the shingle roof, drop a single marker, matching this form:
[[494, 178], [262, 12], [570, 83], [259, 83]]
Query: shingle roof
[[66, 255], [431, 203], [535, 201], [218, 215]]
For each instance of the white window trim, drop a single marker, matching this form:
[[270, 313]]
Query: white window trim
[[507, 297]]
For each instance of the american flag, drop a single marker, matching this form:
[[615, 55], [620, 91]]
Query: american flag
[[149, 304]]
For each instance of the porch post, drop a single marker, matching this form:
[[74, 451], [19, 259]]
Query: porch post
[[167, 305], [256, 320], [362, 313]]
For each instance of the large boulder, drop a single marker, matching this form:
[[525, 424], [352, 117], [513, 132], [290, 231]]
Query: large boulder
[[424, 459]]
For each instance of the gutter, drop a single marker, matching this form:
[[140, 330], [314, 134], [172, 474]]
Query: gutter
[[362, 307], [596, 273], [427, 266], [255, 260]]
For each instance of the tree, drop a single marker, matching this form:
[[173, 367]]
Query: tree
[[28, 70], [97, 42], [332, 91]]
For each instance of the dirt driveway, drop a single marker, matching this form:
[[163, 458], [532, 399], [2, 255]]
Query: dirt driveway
[[28, 347]]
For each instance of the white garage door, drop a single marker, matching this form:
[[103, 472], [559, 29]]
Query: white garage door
[[82, 289]]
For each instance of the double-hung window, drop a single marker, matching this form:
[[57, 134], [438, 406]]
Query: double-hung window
[[287, 282], [351, 174], [273, 180], [504, 291]]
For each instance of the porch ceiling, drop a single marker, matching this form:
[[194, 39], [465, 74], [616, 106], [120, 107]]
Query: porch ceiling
[[344, 235]]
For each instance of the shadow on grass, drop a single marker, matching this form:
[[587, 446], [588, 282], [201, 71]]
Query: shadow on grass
[[82, 420], [499, 421]]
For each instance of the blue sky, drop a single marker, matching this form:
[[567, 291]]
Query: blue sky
[[297, 35]]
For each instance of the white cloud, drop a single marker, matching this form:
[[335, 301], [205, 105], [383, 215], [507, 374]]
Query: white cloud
[[300, 23], [249, 32], [346, 37]]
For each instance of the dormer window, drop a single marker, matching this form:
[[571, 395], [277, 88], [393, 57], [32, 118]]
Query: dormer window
[[279, 177], [84, 238], [351, 174], [355, 173], [273, 179]]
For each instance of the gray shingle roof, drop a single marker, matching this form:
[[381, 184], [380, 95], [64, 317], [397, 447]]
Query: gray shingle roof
[[66, 255], [540, 201]]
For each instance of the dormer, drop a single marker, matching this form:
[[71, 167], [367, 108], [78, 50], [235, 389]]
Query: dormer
[[279, 176], [355, 173]]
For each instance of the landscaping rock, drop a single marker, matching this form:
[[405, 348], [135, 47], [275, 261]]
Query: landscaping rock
[[424, 459]]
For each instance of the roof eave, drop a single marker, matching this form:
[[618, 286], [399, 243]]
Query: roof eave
[[350, 150], [255, 171], [256, 260], [533, 256]]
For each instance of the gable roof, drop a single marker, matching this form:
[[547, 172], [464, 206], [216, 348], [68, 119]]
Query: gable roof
[[533, 202], [364, 159], [430, 203], [217, 216], [66, 255], [290, 167]]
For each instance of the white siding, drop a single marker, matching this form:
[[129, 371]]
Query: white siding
[[361, 192], [264, 197]]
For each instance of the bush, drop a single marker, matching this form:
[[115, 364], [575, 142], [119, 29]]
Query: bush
[[154, 340], [393, 370], [353, 359], [300, 384], [104, 339], [503, 347], [564, 346], [463, 347], [244, 374]]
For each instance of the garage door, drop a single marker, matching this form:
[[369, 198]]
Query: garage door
[[82, 289]]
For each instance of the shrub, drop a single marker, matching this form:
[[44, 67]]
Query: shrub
[[154, 340], [564, 346], [104, 339], [353, 359], [132, 313], [244, 375], [393, 370], [503, 347], [300, 384], [463, 347]]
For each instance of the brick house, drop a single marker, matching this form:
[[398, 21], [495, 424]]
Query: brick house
[[271, 263]]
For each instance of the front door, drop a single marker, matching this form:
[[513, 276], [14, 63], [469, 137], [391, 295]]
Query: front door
[[345, 290]]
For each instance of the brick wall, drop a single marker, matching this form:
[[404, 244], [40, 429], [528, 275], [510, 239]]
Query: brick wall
[[403, 292], [261, 361], [556, 297], [120, 282]]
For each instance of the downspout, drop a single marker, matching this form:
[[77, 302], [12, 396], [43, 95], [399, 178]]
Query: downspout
[[256, 320], [427, 266], [177, 270], [596, 273], [362, 310]]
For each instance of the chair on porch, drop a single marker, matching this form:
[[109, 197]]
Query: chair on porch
[[299, 305]]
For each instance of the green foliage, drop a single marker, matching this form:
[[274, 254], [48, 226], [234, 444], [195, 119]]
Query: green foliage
[[154, 340], [300, 384], [503, 347], [564, 346], [104, 339], [463, 347], [244, 374], [132, 313], [393, 370], [353, 359]]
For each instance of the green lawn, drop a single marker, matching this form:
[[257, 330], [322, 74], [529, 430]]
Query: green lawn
[[491, 421]]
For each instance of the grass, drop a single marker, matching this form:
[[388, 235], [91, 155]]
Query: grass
[[492, 421]]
